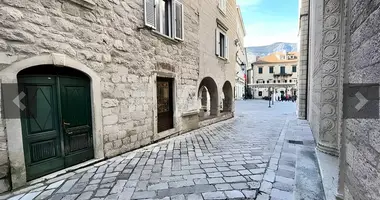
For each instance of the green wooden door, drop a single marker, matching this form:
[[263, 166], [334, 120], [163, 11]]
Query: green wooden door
[[40, 126], [76, 120], [57, 129]]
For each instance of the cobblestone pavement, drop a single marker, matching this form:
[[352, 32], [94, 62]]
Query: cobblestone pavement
[[242, 158]]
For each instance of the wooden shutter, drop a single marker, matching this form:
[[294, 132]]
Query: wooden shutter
[[150, 13], [178, 20], [217, 43], [226, 46]]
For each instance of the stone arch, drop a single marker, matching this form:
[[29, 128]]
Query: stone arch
[[13, 126], [210, 86], [227, 101]]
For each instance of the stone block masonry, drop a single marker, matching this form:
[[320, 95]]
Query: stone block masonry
[[109, 37]]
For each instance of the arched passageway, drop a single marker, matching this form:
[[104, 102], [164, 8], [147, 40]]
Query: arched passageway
[[208, 96], [227, 100]]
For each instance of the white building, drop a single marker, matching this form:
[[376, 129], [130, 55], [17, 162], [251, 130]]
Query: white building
[[277, 71], [241, 59]]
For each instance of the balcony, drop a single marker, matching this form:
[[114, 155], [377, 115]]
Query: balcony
[[282, 75]]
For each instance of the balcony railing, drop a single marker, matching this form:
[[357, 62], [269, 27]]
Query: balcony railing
[[282, 74]]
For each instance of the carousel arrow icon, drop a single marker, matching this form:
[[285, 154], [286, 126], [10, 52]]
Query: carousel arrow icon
[[362, 101], [17, 101]]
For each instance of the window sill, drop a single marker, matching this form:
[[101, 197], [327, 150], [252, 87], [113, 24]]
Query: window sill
[[156, 33], [85, 3], [222, 12], [222, 58]]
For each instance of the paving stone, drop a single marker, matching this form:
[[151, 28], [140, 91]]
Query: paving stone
[[102, 192], [284, 180], [215, 180], [45, 194], [283, 186], [244, 172], [177, 184], [254, 184], [234, 194], [224, 186], [144, 195], [159, 186], [214, 174], [266, 187], [197, 171], [285, 173], [85, 196], [91, 188], [213, 169], [230, 173], [257, 177], [262, 196], [249, 194], [67, 186], [213, 195], [239, 186], [118, 187], [70, 197], [55, 185], [108, 180], [269, 176], [234, 179], [257, 171], [200, 181], [194, 176], [281, 194], [194, 197], [237, 167], [178, 197]]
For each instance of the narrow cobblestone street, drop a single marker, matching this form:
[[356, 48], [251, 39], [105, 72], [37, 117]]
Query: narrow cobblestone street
[[248, 157]]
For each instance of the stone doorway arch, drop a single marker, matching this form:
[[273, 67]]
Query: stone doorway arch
[[14, 128], [208, 95]]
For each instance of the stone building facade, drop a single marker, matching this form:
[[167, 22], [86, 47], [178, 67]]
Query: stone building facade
[[241, 58], [339, 48], [278, 71], [137, 73]]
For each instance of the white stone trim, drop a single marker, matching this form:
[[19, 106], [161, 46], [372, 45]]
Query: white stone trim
[[85, 3], [13, 126]]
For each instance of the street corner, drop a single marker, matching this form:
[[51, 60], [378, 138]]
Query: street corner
[[361, 101], [16, 102]]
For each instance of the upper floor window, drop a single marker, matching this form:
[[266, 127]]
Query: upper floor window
[[223, 5], [165, 16], [271, 69], [282, 70], [294, 68], [221, 44], [260, 70]]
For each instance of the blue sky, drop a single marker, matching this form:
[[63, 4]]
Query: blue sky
[[269, 21]]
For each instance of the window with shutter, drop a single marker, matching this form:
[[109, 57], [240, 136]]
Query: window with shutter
[[217, 42], [178, 14], [150, 13], [221, 41]]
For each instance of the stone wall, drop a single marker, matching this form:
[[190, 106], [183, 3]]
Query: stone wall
[[362, 180], [110, 38]]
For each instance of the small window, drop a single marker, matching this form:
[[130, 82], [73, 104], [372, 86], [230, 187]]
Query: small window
[[290, 81], [274, 81], [260, 93], [257, 81], [267, 81], [286, 81], [282, 70], [294, 68], [221, 44], [223, 5], [165, 16], [260, 70], [271, 69]]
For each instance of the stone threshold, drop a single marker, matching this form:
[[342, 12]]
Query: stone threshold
[[329, 169]]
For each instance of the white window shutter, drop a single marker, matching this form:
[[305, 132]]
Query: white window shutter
[[226, 46], [178, 20], [217, 43], [150, 13]]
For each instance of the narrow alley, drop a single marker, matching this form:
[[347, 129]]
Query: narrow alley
[[263, 153]]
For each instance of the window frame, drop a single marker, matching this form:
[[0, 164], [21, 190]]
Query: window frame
[[157, 25], [222, 5], [294, 67], [218, 49], [271, 69], [260, 70]]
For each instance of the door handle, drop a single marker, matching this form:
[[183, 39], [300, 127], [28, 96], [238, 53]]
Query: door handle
[[66, 123]]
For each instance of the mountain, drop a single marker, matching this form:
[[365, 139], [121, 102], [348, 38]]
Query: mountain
[[252, 52]]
